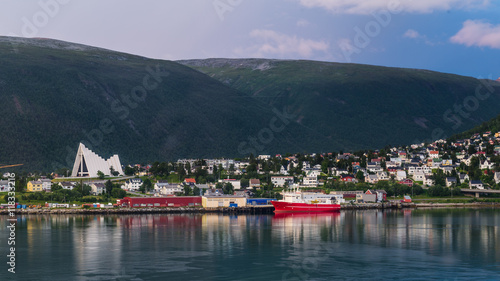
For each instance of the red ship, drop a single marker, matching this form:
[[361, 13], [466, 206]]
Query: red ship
[[288, 207]]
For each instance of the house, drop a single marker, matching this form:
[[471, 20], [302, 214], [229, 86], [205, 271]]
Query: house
[[159, 185], [434, 154], [381, 195], [400, 175], [382, 176], [407, 199], [463, 177], [236, 183], [133, 184], [98, 188], [373, 179], [419, 176], [67, 185], [476, 184], [348, 178], [487, 165], [34, 186], [4, 185], [280, 181], [368, 197], [497, 177], [46, 184], [374, 167], [170, 189], [310, 181], [407, 182], [451, 181], [254, 183], [428, 181], [189, 181]]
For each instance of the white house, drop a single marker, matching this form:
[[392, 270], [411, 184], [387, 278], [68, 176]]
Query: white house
[[159, 185], [236, 183], [476, 184], [428, 181], [401, 175], [310, 181], [133, 184], [281, 180], [373, 179], [450, 181], [497, 177], [170, 189], [4, 185], [487, 165], [67, 185], [97, 188], [382, 176], [46, 184], [419, 176]]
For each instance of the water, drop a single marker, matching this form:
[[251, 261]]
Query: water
[[453, 244]]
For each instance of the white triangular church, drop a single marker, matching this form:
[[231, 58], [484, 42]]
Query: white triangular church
[[87, 163]]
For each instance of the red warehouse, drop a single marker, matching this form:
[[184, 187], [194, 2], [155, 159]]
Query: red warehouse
[[138, 202]]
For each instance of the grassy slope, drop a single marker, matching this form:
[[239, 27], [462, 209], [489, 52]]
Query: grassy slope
[[354, 106]]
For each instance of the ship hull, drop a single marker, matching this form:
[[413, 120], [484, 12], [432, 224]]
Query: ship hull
[[286, 207]]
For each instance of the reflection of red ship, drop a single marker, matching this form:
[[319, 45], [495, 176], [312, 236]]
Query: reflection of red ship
[[289, 207], [306, 215]]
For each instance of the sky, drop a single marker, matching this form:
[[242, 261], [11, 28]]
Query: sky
[[452, 36]]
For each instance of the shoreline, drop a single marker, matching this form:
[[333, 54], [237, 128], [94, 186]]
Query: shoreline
[[238, 210]]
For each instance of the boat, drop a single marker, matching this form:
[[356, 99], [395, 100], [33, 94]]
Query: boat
[[307, 202], [287, 207]]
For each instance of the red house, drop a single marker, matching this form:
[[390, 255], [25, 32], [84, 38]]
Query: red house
[[348, 178], [190, 181], [407, 182]]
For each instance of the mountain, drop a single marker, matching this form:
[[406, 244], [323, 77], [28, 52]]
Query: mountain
[[57, 94], [353, 106]]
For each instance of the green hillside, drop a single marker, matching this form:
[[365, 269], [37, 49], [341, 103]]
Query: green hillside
[[359, 106], [492, 125], [56, 94]]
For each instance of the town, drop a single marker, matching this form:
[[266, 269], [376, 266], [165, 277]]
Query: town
[[442, 169]]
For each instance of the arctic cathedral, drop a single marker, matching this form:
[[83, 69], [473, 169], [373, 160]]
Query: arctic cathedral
[[87, 164]]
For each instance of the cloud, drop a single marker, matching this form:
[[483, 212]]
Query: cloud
[[410, 33], [278, 44], [478, 33], [413, 34], [416, 6]]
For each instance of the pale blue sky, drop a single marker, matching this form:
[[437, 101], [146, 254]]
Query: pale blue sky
[[453, 36]]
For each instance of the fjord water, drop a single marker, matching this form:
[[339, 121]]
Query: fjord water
[[446, 244]]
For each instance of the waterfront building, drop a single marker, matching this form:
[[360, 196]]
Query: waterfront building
[[223, 201], [172, 201], [87, 163]]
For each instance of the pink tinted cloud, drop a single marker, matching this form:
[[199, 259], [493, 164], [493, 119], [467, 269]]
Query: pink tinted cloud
[[478, 33]]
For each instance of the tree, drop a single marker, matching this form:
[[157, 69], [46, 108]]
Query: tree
[[196, 191], [228, 188], [146, 186], [109, 186], [119, 193], [129, 171], [187, 190], [113, 172], [100, 175]]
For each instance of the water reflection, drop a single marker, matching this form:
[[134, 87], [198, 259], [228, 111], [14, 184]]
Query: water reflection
[[449, 243]]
